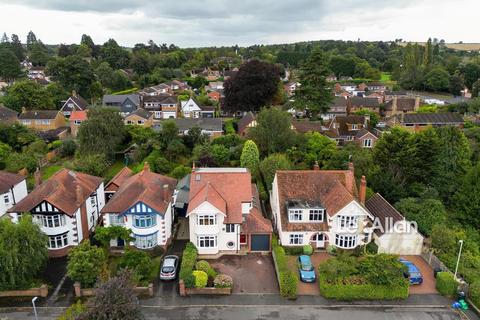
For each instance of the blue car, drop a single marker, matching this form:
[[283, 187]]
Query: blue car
[[305, 268], [413, 274]]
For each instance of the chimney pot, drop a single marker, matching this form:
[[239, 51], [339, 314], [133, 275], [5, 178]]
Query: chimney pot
[[146, 166], [363, 190], [165, 193], [316, 167]]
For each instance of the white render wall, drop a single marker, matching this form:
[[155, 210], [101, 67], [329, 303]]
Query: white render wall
[[19, 192], [408, 243], [219, 230]]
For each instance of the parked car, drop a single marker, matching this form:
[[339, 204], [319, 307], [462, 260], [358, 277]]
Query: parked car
[[413, 274], [169, 268], [305, 268]]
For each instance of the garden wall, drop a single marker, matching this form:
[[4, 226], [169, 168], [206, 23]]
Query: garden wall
[[42, 291], [202, 291], [89, 292]]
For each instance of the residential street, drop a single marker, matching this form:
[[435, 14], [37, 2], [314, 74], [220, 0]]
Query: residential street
[[267, 312]]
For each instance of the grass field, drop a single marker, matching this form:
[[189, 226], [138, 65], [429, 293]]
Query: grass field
[[47, 172], [455, 46], [385, 77]]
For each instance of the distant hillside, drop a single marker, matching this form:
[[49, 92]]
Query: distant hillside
[[454, 46]]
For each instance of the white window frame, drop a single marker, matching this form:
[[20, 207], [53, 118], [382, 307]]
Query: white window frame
[[348, 221], [206, 241], [53, 221], [93, 201], [316, 213], [149, 220], [296, 239], [146, 241], [229, 228], [58, 241], [6, 198], [295, 215], [207, 220], [367, 143], [116, 220], [346, 241]]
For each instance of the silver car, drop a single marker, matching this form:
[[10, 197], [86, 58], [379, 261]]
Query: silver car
[[169, 268]]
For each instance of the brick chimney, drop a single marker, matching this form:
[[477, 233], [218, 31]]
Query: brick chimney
[[74, 93], [351, 167], [363, 190], [24, 110], [37, 176], [193, 166], [417, 104], [166, 193], [316, 167], [146, 166]]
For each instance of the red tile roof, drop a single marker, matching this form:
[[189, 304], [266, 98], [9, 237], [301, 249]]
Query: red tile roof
[[146, 187], [9, 180], [78, 115], [255, 222], [61, 191], [334, 189], [228, 184], [119, 179]]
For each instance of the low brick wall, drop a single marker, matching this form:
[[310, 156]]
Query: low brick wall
[[202, 291], [89, 292], [42, 291]]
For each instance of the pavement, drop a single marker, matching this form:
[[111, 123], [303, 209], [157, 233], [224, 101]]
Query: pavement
[[252, 273]]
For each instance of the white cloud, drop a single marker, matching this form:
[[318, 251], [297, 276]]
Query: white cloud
[[217, 22]]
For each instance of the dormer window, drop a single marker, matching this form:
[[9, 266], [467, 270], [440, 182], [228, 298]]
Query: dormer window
[[295, 215], [316, 215]]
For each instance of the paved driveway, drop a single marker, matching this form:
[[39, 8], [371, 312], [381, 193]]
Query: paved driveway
[[428, 285], [253, 273], [311, 289]]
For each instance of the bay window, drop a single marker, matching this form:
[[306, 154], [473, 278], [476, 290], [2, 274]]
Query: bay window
[[53, 221], [145, 221], [58, 241], [346, 241], [145, 241]]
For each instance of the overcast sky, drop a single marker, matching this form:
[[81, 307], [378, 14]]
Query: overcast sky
[[191, 23]]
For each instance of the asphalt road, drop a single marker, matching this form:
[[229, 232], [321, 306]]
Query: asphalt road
[[259, 312]]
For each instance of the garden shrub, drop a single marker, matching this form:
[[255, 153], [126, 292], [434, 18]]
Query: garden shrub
[[201, 278], [204, 266], [293, 251], [85, 263], [74, 311], [308, 249], [137, 261], [68, 148], [445, 284], [189, 281], [55, 144], [474, 293], [189, 258], [223, 281], [288, 284]]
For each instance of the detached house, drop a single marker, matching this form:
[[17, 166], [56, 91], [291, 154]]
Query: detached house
[[8, 116], [417, 122], [399, 105], [67, 208], [321, 208], [143, 203], [193, 109], [73, 103], [358, 103], [76, 119], [42, 120], [13, 188], [344, 129], [224, 212], [140, 117], [163, 107], [245, 123], [125, 103]]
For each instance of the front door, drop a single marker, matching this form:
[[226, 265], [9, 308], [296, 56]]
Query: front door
[[319, 240], [120, 242]]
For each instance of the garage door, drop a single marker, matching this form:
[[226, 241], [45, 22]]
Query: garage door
[[260, 242]]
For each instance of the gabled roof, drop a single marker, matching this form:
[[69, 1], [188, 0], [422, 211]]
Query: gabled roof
[[304, 126], [363, 102], [245, 121], [363, 132], [78, 101], [403, 104], [146, 187], [39, 114], [61, 192], [255, 222], [8, 180], [224, 188], [78, 115], [207, 124], [142, 113], [383, 211], [342, 123], [6, 113], [162, 99], [119, 179], [333, 189], [120, 98]]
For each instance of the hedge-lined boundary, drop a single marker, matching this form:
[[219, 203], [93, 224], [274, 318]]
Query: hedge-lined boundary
[[189, 258], [287, 279], [361, 292], [445, 284]]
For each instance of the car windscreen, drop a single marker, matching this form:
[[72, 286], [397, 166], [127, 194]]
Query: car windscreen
[[168, 269], [415, 275], [307, 267]]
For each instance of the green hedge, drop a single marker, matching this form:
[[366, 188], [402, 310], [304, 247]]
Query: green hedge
[[189, 258], [474, 293], [308, 249], [349, 292], [294, 251], [446, 285], [204, 266], [288, 284]]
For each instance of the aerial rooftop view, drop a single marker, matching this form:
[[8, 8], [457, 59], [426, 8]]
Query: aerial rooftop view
[[214, 159]]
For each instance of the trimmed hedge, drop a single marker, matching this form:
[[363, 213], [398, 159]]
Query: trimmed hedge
[[349, 292], [189, 258], [201, 278], [308, 249], [288, 284], [294, 251], [445, 284]]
